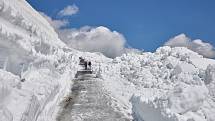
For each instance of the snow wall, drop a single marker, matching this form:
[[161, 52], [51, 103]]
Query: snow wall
[[186, 88], [35, 70], [23, 33]]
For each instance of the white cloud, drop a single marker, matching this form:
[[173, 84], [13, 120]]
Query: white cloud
[[94, 39], [203, 48], [57, 24], [69, 10], [91, 39]]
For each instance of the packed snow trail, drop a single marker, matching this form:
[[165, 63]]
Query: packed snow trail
[[89, 102]]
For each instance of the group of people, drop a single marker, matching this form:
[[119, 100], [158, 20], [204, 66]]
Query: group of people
[[87, 64]]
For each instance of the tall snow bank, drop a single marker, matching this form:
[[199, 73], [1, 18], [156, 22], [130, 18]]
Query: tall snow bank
[[170, 79], [30, 49], [37, 97], [65, 66], [23, 33]]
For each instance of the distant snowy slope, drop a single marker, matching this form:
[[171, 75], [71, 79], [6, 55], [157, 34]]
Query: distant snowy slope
[[23, 33]]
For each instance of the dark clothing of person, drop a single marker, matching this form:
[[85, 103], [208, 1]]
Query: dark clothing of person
[[89, 64], [85, 65]]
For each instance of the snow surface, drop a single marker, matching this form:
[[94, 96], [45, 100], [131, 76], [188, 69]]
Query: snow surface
[[35, 72], [24, 32], [37, 69], [188, 90]]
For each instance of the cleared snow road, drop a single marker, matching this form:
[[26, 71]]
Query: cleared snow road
[[88, 102]]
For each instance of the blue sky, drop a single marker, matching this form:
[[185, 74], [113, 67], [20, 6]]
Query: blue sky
[[146, 24]]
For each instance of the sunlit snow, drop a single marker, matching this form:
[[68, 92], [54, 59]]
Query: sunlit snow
[[37, 73]]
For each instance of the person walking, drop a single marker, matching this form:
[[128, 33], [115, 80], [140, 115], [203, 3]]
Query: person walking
[[89, 64], [85, 65]]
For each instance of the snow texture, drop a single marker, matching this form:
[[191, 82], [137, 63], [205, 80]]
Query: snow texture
[[37, 69]]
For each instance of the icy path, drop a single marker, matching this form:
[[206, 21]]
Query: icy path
[[89, 102]]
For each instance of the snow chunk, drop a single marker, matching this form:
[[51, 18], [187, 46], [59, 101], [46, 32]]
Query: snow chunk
[[177, 70], [186, 98], [210, 74], [183, 104], [210, 79], [148, 110]]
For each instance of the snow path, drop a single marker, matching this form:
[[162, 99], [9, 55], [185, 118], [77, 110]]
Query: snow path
[[88, 102]]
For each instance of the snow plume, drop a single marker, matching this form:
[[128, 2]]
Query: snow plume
[[94, 39], [205, 49], [69, 10]]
